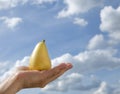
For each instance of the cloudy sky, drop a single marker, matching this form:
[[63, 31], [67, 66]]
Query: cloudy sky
[[83, 32]]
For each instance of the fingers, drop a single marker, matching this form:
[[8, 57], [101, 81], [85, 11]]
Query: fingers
[[57, 71]]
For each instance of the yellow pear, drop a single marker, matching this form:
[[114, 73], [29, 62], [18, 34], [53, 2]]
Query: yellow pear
[[39, 59]]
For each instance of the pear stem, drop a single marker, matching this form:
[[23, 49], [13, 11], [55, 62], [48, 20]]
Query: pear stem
[[43, 40]]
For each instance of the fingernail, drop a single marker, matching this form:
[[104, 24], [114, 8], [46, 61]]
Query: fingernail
[[69, 65]]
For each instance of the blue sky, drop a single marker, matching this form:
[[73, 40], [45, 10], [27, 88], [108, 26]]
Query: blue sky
[[83, 32]]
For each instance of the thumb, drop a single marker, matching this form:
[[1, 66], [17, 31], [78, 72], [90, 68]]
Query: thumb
[[22, 68]]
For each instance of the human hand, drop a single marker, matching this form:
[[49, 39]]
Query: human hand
[[25, 78]]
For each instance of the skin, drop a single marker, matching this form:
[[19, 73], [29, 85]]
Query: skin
[[25, 78]]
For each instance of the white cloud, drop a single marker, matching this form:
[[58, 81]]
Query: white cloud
[[42, 1], [11, 22], [110, 23], [64, 83], [3, 67], [80, 22], [110, 19], [6, 4], [92, 60], [104, 89], [73, 81], [9, 68], [97, 42], [23, 62], [74, 7]]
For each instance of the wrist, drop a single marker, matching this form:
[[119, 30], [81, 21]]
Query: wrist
[[17, 83], [11, 85]]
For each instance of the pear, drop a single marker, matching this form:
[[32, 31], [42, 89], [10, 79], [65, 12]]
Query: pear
[[39, 59]]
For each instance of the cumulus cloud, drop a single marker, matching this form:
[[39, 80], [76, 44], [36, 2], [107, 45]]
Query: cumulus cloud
[[74, 7], [104, 89], [6, 4], [8, 68], [23, 62], [42, 1], [97, 42], [73, 81], [64, 84], [91, 60], [3, 67], [11, 22], [110, 23], [110, 19], [80, 22]]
